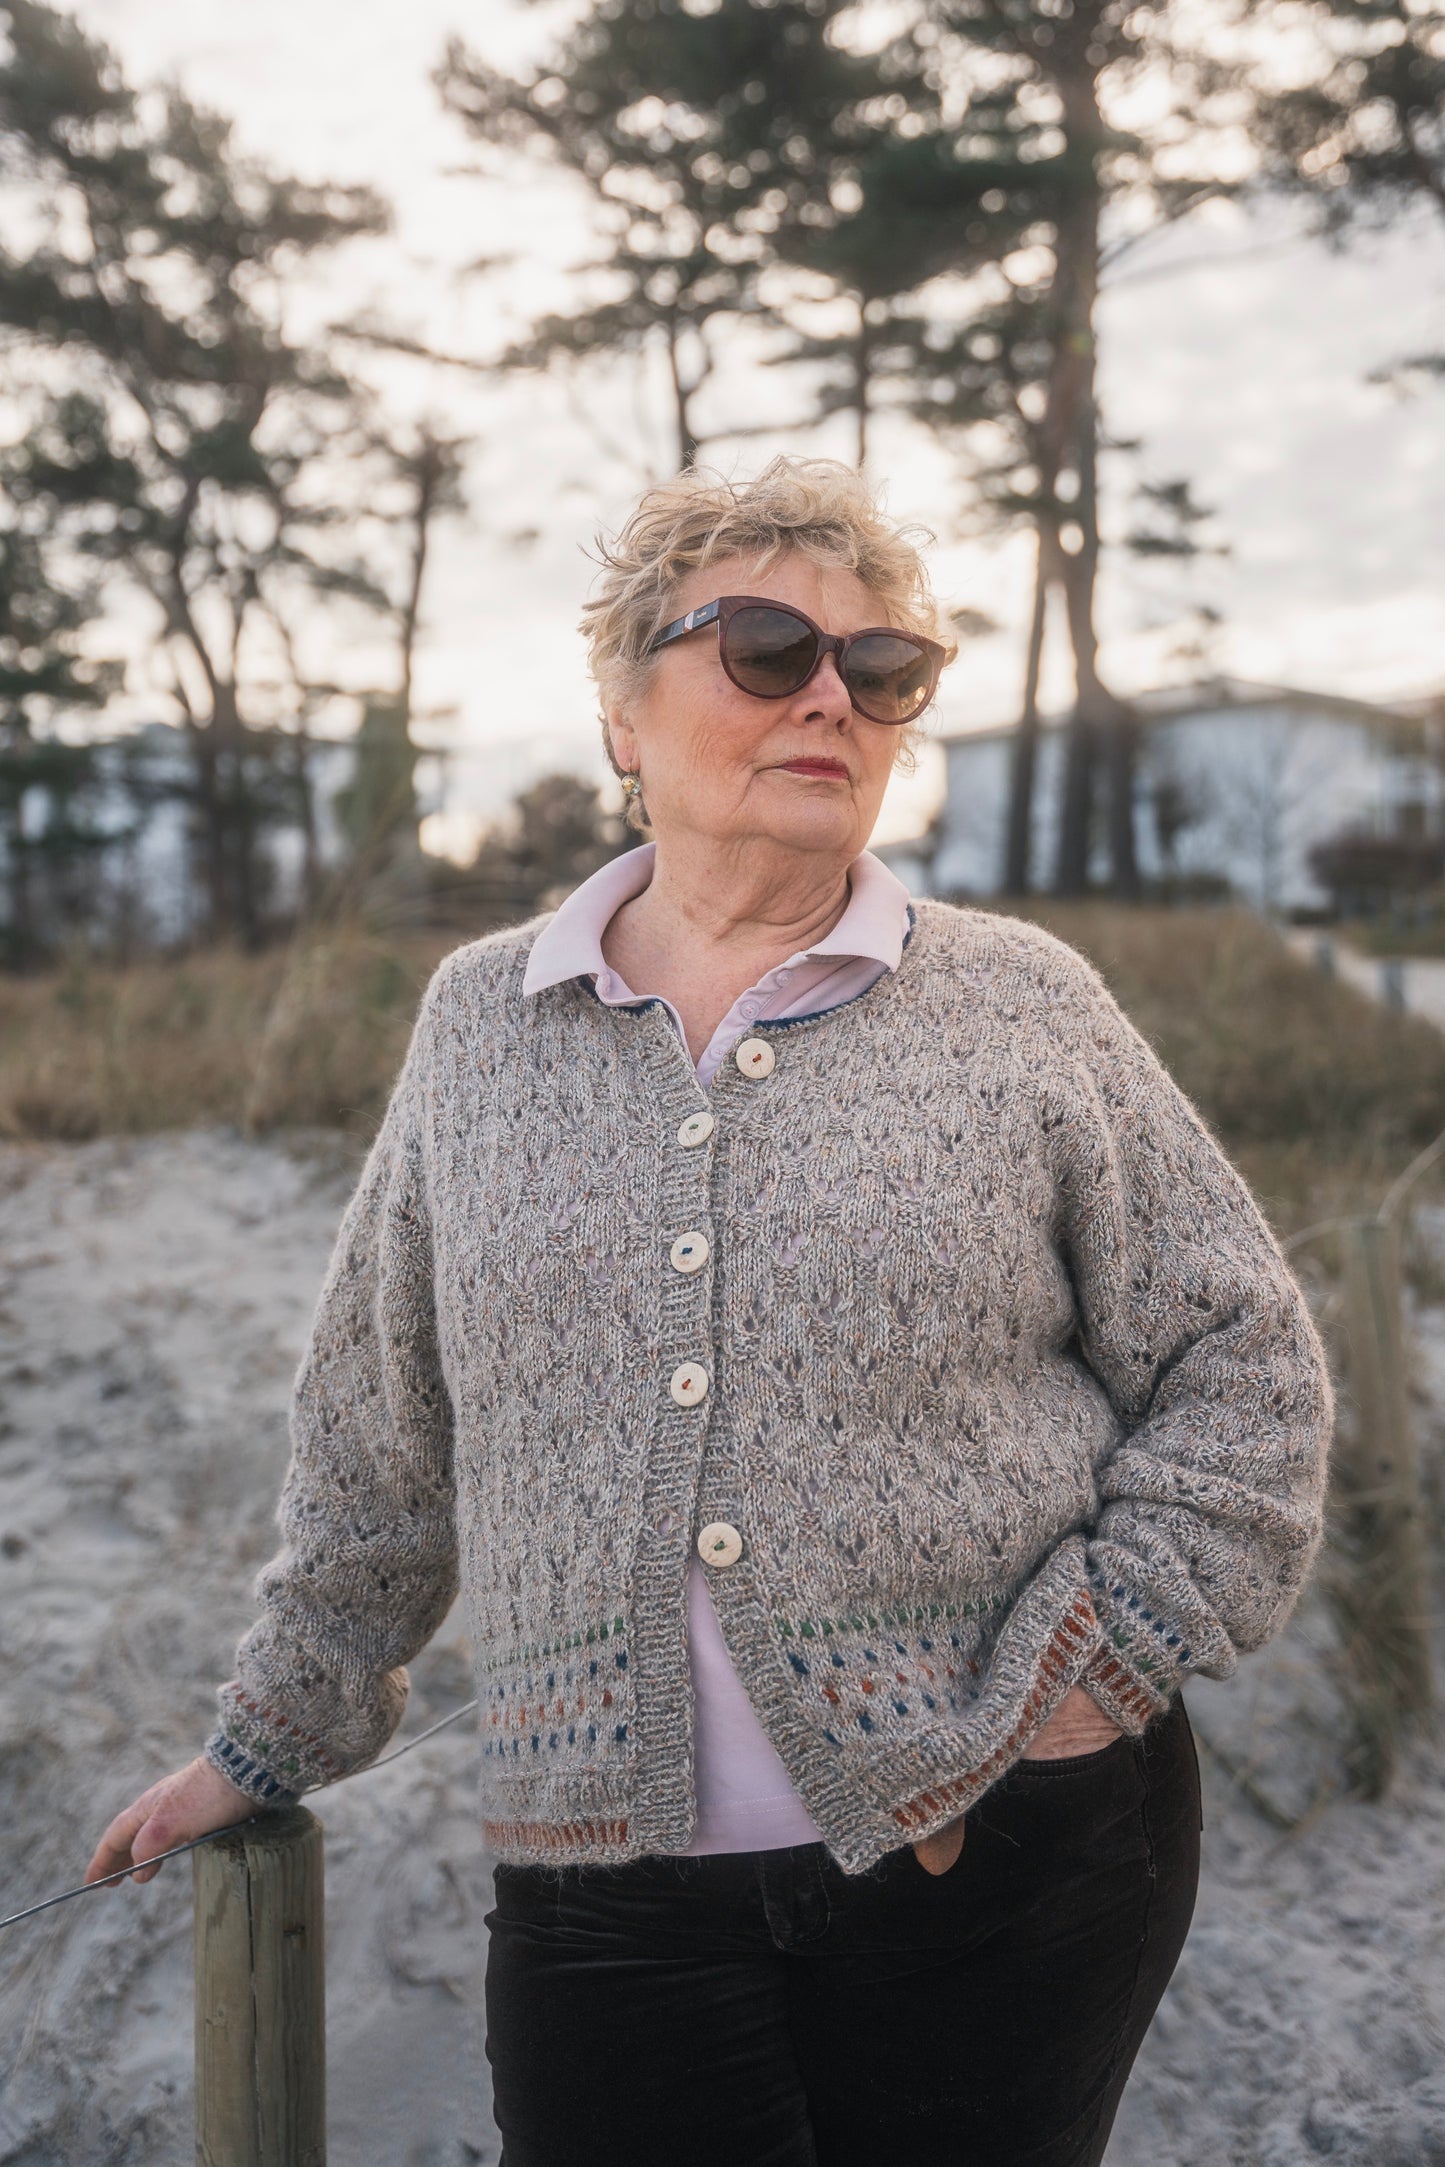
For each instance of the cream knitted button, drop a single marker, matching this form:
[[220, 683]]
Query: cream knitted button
[[697, 1128], [688, 1384], [755, 1057], [719, 1544], [689, 1252]]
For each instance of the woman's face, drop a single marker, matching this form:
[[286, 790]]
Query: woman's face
[[723, 764]]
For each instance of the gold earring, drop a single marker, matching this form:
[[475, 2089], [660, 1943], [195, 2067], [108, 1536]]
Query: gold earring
[[632, 784]]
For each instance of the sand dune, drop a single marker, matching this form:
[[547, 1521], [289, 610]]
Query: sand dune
[[154, 1298]]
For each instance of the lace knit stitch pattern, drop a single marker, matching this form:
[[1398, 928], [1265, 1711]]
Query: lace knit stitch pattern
[[1009, 1387]]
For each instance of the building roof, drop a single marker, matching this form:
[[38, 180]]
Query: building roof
[[1219, 695]]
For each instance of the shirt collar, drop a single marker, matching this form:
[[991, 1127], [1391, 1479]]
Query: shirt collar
[[570, 944]]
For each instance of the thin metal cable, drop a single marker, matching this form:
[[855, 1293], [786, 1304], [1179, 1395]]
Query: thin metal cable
[[123, 1873]]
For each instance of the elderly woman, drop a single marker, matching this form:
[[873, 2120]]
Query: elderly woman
[[851, 1392]]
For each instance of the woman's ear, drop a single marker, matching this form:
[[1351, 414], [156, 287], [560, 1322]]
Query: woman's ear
[[623, 740]]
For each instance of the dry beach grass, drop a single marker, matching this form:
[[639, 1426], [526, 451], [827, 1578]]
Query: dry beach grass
[[1311, 1088]]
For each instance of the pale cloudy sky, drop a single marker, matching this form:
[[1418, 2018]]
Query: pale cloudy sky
[[1236, 350]]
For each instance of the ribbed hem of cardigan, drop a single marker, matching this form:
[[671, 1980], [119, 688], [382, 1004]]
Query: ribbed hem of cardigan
[[246, 1772]]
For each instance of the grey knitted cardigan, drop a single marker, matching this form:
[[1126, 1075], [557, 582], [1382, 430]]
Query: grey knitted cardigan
[[1008, 1388]]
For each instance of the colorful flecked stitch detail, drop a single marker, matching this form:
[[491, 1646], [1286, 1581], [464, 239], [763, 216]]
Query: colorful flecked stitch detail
[[1143, 1662], [587, 1638], [900, 1676], [552, 1835], [1065, 1641], [270, 1739], [574, 1705]]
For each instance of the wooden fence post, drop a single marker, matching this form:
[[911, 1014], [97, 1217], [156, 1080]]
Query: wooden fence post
[[1384, 1593], [261, 1995]]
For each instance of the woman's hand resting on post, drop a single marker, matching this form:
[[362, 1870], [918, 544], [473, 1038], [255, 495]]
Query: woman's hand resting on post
[[192, 1802], [1077, 1725]]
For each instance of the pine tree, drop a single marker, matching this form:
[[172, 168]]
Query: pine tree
[[888, 179], [1033, 85], [1357, 126], [173, 429], [51, 829], [718, 145]]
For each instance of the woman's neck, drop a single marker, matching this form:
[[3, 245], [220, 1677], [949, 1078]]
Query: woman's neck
[[701, 935]]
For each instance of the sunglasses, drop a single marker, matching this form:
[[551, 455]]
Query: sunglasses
[[771, 649]]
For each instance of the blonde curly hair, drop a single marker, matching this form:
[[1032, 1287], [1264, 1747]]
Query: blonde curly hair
[[819, 507]]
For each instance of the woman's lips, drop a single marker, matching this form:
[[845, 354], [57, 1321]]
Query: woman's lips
[[816, 767]]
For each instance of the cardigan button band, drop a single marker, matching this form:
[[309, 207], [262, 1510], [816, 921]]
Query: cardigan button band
[[688, 1384], [755, 1057], [690, 1251], [719, 1544], [697, 1128]]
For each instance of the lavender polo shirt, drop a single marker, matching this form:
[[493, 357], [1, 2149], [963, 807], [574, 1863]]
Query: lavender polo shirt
[[745, 1801]]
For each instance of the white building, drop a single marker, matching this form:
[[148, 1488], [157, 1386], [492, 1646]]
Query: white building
[[1236, 785], [136, 880]]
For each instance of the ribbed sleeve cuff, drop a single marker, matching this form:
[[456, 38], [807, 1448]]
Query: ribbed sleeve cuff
[[1126, 1699], [1136, 1672], [246, 1772], [256, 1742]]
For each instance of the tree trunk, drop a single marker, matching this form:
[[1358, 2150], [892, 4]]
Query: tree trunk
[[862, 382], [1059, 440], [23, 943], [1100, 732], [687, 442], [1108, 720], [209, 832], [1121, 764], [305, 794], [238, 819], [427, 475], [225, 813], [1023, 767], [1076, 807]]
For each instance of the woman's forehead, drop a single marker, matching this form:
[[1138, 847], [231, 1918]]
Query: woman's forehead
[[825, 591]]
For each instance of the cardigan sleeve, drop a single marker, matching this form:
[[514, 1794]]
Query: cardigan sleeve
[[1211, 1504], [368, 1569]]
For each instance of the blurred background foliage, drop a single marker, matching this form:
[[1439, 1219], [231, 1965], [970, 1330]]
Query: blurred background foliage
[[1318, 1096]]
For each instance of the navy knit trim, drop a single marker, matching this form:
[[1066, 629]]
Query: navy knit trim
[[248, 1775]]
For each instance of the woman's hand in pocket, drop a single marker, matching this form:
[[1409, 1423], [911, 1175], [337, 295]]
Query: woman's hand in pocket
[[1077, 1725]]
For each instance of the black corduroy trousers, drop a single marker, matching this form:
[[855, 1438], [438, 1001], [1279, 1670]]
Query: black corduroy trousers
[[764, 2009]]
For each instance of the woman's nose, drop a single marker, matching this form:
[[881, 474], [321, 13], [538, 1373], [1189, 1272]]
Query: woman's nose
[[825, 690]]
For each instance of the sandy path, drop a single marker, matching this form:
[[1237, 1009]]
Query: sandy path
[[154, 1297]]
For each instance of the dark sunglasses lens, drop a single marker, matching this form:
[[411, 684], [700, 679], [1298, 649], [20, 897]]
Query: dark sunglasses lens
[[768, 652], [889, 677]]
